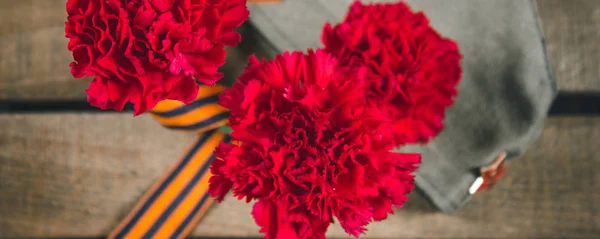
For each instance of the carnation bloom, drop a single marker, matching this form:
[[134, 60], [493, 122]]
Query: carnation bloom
[[413, 71], [144, 51], [308, 148]]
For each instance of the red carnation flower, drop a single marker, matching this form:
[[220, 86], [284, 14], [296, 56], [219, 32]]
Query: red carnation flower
[[309, 148], [144, 51], [413, 71]]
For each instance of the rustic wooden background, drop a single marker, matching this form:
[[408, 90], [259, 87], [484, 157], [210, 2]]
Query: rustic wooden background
[[78, 174]]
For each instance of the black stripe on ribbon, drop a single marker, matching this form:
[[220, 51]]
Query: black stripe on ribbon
[[196, 208], [196, 126], [189, 107], [190, 216], [179, 199], [164, 184]]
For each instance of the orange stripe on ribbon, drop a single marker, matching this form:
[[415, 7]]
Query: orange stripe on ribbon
[[176, 202]]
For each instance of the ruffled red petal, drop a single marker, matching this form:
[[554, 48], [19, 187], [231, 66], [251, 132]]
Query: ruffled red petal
[[151, 50], [413, 71], [309, 148]]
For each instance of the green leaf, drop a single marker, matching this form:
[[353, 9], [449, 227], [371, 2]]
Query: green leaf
[[225, 129]]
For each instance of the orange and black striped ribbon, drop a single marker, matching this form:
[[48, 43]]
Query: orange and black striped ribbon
[[175, 204]]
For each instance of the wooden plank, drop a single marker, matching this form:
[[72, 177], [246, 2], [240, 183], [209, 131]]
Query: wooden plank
[[77, 175], [34, 61], [572, 30]]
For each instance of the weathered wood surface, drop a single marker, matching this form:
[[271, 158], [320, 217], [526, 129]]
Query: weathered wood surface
[[34, 61], [79, 174], [572, 30]]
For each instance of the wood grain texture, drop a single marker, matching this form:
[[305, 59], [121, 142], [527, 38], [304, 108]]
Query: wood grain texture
[[34, 61], [572, 30], [79, 174]]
